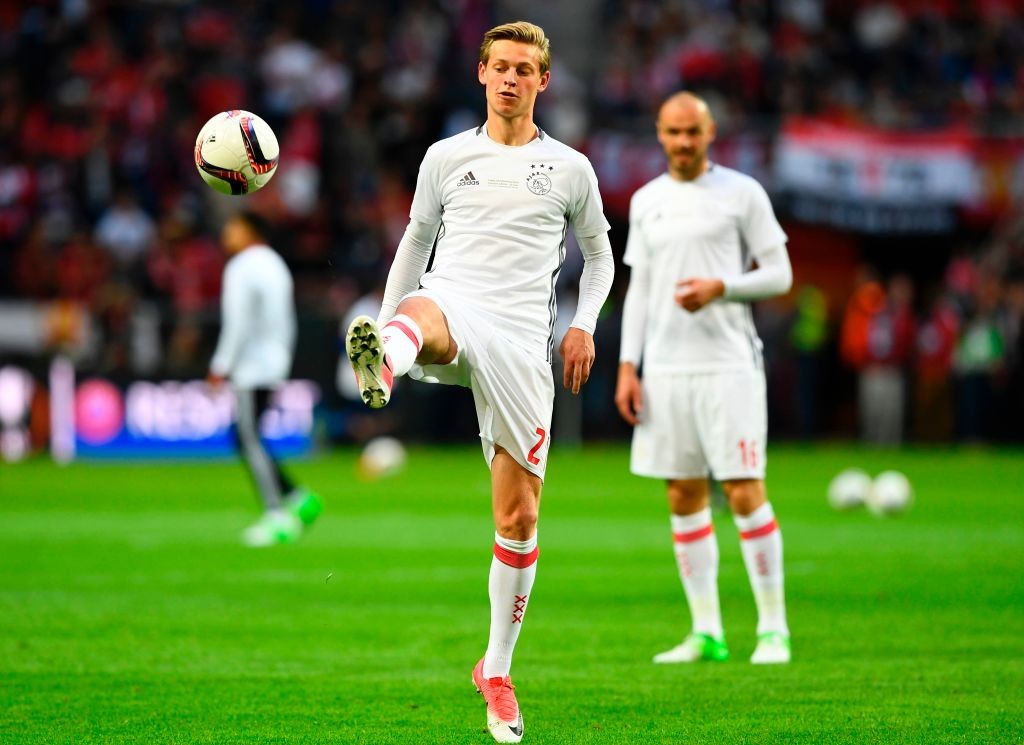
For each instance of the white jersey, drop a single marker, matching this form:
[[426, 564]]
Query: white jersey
[[503, 213], [257, 335], [713, 226]]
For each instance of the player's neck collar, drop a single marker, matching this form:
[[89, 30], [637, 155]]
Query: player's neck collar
[[537, 135]]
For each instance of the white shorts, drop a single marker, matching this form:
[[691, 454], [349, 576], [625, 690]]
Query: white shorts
[[513, 390], [694, 422]]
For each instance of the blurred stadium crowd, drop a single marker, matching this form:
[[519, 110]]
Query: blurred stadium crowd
[[102, 213]]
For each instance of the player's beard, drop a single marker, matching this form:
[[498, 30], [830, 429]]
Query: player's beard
[[690, 168]]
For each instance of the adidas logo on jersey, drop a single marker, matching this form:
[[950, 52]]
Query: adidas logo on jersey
[[468, 179]]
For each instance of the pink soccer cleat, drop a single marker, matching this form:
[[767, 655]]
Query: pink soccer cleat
[[504, 720]]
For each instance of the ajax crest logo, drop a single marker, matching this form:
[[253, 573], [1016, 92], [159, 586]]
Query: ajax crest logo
[[538, 181]]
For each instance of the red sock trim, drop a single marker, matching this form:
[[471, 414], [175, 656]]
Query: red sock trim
[[512, 559], [407, 331], [694, 535], [764, 530]]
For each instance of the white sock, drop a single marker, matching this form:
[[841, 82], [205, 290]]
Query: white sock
[[696, 550], [761, 543], [402, 342], [511, 580]]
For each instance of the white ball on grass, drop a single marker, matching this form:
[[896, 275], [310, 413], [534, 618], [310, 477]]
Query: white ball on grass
[[890, 493], [849, 489], [381, 457]]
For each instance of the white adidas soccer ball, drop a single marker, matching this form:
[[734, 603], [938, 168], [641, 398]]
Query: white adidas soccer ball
[[890, 493], [381, 457], [236, 152], [849, 489]]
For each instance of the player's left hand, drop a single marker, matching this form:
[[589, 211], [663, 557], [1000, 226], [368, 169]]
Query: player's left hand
[[578, 354], [696, 292]]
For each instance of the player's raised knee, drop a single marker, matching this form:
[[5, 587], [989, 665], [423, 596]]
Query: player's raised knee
[[436, 343]]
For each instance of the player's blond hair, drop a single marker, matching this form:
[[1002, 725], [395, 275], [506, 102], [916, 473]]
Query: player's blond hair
[[521, 31]]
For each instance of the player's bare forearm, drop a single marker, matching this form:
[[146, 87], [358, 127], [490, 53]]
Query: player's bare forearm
[[695, 292], [628, 393], [577, 350]]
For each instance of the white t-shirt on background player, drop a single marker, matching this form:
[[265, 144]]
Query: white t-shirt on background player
[[704, 402], [257, 337], [713, 226]]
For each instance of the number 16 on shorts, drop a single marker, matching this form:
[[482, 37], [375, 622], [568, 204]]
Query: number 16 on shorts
[[748, 453]]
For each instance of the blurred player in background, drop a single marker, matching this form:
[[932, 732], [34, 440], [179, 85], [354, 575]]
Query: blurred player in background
[[693, 236], [492, 207], [254, 353]]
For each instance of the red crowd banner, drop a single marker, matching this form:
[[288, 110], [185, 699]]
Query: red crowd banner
[[865, 164], [852, 177]]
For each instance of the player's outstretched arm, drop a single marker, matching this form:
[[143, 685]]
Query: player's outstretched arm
[[410, 262]]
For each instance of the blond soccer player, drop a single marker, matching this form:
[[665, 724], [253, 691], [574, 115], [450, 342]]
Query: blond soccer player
[[700, 408], [492, 206]]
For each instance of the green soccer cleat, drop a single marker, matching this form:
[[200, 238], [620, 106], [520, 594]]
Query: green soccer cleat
[[274, 528], [694, 648], [772, 649], [304, 504]]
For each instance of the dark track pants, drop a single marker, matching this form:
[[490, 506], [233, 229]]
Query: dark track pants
[[270, 481]]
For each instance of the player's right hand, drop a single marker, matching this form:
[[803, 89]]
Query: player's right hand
[[628, 393]]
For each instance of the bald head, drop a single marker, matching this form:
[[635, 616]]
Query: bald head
[[685, 130], [686, 103]]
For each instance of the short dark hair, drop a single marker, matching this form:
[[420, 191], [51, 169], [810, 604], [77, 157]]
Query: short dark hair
[[257, 223]]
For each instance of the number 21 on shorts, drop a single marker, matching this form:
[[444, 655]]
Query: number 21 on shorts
[[531, 457]]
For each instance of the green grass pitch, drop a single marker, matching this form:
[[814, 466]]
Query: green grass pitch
[[130, 613]]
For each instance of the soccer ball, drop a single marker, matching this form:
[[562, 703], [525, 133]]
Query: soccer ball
[[890, 493], [849, 489], [236, 152], [382, 456]]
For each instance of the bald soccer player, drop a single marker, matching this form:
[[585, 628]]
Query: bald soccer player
[[700, 408]]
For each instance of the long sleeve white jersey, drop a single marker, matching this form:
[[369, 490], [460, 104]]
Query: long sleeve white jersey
[[500, 216], [715, 226], [257, 336]]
